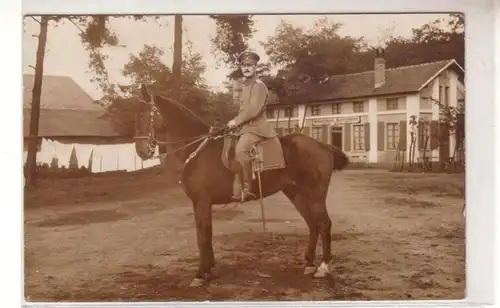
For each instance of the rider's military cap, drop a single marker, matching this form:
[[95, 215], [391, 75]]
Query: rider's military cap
[[248, 55]]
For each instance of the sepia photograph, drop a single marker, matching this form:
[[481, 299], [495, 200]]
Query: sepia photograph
[[244, 157]]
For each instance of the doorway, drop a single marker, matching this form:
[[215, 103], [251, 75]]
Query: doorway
[[337, 136]]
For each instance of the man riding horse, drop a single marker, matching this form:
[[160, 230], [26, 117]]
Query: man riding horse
[[251, 119]]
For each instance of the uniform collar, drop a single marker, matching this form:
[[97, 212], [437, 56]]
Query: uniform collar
[[250, 80]]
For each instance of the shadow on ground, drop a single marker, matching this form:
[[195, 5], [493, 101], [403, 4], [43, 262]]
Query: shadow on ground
[[255, 266]]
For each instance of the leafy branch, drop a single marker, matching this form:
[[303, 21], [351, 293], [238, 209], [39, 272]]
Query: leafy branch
[[450, 115]]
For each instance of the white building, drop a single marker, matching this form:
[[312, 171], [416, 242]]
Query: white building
[[368, 114]]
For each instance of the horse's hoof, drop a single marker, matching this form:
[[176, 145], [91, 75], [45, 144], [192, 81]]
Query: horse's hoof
[[322, 271], [197, 282], [309, 270]]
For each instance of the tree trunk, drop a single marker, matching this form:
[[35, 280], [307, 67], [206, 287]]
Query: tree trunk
[[174, 163], [176, 67], [35, 105], [177, 63]]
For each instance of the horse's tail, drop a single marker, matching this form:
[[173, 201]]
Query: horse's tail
[[340, 159]]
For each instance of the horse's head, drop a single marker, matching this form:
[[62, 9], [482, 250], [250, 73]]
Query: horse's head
[[148, 121]]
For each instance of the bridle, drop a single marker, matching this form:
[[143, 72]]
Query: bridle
[[213, 133], [152, 141]]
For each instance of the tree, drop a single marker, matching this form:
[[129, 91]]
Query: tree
[[451, 123], [308, 57], [94, 36], [435, 41], [176, 66], [35, 104], [73, 160], [148, 67], [231, 39]]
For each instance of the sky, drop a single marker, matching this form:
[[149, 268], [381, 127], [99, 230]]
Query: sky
[[66, 56]]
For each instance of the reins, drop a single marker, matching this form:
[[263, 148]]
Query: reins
[[212, 134]]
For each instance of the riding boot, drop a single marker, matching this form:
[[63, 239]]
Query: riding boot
[[237, 187], [247, 182]]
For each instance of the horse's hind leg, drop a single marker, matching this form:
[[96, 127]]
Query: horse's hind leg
[[301, 203], [324, 224]]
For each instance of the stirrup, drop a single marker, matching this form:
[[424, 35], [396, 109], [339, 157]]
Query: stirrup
[[244, 197], [236, 198], [248, 196]]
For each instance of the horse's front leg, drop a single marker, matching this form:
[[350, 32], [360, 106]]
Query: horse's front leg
[[203, 219]]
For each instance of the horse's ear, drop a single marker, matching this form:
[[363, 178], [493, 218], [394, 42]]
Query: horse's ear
[[145, 93]]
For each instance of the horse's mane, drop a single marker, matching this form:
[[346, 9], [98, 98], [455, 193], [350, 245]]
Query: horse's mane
[[183, 114]]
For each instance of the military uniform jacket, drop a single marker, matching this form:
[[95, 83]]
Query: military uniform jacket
[[253, 99]]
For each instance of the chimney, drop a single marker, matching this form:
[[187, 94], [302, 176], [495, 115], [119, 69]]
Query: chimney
[[379, 68]]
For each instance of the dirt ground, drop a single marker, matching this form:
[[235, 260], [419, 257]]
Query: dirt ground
[[132, 238]]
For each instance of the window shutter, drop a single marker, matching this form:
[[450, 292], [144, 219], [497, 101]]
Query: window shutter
[[434, 138], [402, 135], [367, 136], [347, 137], [380, 136], [324, 131], [421, 136]]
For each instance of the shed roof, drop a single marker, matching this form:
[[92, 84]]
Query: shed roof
[[65, 110]]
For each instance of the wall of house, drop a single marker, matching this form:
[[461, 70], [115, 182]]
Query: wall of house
[[460, 93], [425, 101], [104, 158], [321, 129], [449, 80], [272, 112], [382, 103], [356, 139], [346, 107], [282, 127], [324, 109], [386, 153], [306, 130]]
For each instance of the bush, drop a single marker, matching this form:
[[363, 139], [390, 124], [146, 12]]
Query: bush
[[53, 171]]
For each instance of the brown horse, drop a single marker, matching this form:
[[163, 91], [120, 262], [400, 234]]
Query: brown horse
[[206, 180]]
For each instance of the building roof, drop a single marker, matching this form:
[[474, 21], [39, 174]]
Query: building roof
[[399, 80], [66, 110], [70, 123], [58, 92]]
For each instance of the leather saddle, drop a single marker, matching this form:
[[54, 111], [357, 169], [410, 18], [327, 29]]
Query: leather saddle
[[267, 154]]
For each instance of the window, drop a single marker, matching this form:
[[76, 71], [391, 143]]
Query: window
[[392, 136], [359, 137], [315, 110], [316, 133], [288, 112], [270, 113], [336, 108], [358, 107], [392, 104]]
